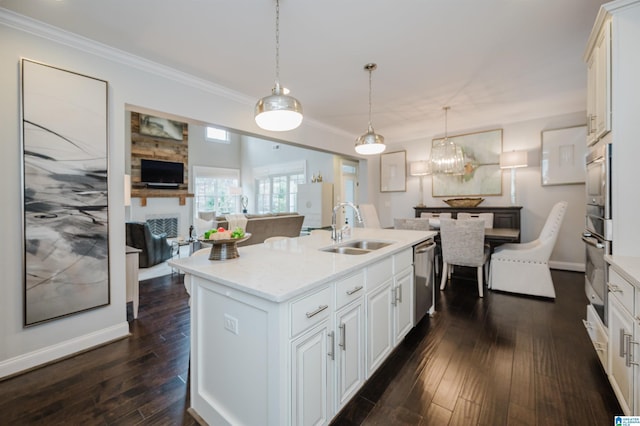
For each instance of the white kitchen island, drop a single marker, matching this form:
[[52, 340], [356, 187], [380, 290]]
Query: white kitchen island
[[287, 333]]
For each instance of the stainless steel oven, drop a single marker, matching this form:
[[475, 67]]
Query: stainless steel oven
[[597, 235], [595, 282]]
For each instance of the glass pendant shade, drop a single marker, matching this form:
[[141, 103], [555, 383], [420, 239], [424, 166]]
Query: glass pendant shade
[[446, 158], [370, 143], [278, 112]]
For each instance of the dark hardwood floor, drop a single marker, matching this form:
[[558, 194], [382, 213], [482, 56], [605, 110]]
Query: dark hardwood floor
[[500, 360]]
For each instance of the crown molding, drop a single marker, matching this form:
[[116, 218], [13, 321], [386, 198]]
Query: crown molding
[[55, 34], [75, 41]]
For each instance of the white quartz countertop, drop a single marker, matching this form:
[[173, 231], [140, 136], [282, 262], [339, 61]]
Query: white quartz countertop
[[627, 266], [280, 270]]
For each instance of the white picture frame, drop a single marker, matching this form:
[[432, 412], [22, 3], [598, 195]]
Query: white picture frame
[[562, 158], [393, 172]]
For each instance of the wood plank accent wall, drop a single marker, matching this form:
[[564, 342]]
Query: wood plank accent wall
[[157, 148]]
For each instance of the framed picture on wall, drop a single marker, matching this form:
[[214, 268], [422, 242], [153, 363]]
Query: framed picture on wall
[[393, 172], [65, 201], [482, 174], [161, 127], [563, 156]]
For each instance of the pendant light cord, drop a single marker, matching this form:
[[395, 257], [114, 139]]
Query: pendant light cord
[[370, 71], [278, 43], [446, 110]]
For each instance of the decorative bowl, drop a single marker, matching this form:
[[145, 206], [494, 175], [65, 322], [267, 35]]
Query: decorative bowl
[[464, 202], [225, 249]]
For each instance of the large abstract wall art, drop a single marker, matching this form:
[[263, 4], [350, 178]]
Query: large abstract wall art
[[64, 141]]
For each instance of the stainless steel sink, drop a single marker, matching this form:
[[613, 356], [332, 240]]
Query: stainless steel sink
[[357, 247], [367, 244], [345, 250]]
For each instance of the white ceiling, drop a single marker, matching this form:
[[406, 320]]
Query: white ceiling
[[492, 61]]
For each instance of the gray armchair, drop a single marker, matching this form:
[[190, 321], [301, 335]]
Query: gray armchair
[[155, 248], [463, 245]]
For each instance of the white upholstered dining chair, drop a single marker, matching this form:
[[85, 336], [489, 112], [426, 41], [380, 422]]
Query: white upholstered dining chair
[[524, 267], [462, 244]]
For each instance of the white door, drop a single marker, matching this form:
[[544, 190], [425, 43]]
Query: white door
[[379, 326], [403, 306], [620, 372], [349, 189], [349, 351], [310, 378]]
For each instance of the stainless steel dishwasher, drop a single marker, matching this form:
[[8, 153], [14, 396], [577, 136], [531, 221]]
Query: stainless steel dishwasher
[[424, 279]]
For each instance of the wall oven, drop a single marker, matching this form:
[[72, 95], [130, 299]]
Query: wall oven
[[597, 234]]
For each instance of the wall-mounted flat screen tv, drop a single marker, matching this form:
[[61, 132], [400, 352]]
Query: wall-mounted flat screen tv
[[161, 173]]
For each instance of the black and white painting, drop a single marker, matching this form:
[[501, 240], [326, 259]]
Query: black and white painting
[[64, 140]]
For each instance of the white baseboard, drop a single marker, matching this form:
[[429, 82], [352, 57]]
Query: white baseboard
[[62, 350], [566, 266]]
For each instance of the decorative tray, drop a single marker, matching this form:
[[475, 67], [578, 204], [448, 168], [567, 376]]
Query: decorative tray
[[224, 249]]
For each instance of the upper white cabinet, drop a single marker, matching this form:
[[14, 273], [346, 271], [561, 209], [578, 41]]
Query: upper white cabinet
[[599, 85], [315, 202], [613, 61]]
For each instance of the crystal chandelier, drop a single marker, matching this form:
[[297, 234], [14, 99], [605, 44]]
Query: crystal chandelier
[[279, 111], [446, 157], [370, 143]]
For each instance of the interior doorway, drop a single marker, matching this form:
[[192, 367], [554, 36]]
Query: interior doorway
[[349, 188]]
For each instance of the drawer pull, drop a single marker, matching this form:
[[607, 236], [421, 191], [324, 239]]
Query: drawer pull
[[354, 290], [614, 288], [317, 311]]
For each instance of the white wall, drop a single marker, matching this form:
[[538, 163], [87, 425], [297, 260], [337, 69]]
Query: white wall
[[132, 82], [536, 199]]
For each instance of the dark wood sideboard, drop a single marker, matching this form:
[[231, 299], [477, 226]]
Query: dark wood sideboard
[[503, 217]]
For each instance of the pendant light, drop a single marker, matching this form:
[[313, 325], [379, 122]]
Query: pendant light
[[370, 143], [279, 111], [446, 157]]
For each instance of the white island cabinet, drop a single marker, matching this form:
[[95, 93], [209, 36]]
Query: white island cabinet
[[287, 333], [623, 281]]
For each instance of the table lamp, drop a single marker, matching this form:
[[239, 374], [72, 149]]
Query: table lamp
[[421, 169], [513, 160]]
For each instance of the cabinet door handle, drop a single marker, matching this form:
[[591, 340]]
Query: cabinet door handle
[[623, 349], [332, 338], [394, 296], [627, 343], [630, 351], [317, 311], [343, 337], [354, 290]]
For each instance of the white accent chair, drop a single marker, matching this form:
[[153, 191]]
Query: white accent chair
[[487, 217], [524, 267], [462, 244], [369, 216]]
